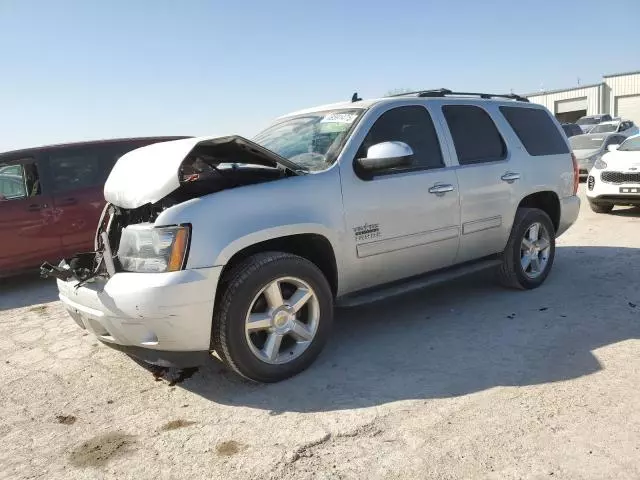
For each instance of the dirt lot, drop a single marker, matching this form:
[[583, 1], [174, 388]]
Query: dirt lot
[[465, 380]]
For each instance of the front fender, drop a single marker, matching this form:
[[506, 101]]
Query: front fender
[[272, 233], [226, 222]]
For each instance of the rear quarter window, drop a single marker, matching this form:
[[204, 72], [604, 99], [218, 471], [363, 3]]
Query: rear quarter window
[[536, 130]]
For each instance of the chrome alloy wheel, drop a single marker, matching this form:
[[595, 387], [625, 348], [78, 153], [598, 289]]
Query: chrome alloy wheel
[[534, 250], [282, 320]]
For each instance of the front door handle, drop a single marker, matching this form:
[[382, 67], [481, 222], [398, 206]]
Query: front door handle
[[510, 177], [441, 188], [36, 207]]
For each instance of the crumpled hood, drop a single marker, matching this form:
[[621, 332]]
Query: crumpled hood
[[148, 174], [622, 161]]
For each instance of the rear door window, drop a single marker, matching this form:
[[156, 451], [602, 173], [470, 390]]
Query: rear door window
[[88, 166], [74, 169], [475, 136], [536, 130]]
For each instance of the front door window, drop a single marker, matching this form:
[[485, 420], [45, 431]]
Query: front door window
[[18, 181]]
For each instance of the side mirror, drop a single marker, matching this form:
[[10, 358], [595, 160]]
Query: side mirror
[[386, 155], [613, 148]]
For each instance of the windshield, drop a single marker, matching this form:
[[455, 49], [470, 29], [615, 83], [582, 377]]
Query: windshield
[[585, 142], [604, 128], [630, 145], [588, 121], [312, 140]]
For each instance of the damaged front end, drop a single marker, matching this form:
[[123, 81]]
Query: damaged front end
[[86, 266], [149, 180], [126, 241]]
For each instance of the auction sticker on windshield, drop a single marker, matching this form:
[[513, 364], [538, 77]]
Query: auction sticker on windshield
[[339, 118]]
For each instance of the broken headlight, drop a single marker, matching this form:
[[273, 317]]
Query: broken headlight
[[144, 248]]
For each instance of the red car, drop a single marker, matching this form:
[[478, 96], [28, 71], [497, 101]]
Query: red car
[[51, 199]]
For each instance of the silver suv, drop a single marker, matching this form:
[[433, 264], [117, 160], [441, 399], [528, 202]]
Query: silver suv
[[243, 247]]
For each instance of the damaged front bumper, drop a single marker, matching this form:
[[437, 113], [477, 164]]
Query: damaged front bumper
[[160, 318]]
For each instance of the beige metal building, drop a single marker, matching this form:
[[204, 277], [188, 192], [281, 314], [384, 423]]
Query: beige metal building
[[618, 95]]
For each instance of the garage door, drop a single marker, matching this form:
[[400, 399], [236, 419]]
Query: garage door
[[564, 106], [629, 108]]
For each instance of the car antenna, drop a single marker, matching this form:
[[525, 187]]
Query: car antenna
[[355, 98]]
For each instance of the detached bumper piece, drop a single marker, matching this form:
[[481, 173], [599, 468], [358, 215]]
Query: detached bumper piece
[[81, 267], [47, 270]]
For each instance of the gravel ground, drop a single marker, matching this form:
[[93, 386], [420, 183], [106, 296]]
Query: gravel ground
[[465, 380]]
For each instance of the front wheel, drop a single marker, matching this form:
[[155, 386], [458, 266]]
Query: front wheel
[[274, 316], [601, 207], [529, 254]]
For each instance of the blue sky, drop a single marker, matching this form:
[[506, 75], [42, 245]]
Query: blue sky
[[74, 70]]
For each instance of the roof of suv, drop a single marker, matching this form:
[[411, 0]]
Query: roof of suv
[[421, 95], [31, 150]]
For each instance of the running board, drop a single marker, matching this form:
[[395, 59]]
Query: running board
[[415, 283]]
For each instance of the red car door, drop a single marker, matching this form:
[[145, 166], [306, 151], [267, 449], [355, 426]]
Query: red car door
[[77, 179], [78, 174], [27, 234]]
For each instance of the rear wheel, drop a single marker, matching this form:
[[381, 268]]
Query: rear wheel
[[601, 207], [529, 254], [274, 316]]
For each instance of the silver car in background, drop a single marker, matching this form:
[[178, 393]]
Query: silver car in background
[[623, 127], [590, 147], [589, 121]]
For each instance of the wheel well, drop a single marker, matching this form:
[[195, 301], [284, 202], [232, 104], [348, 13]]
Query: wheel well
[[546, 201], [313, 247]]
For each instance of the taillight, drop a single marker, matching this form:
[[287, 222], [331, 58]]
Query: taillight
[[576, 173]]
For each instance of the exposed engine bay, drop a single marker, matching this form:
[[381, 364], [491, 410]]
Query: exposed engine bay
[[210, 167]]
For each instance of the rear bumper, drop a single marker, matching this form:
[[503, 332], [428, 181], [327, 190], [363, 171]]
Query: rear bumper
[[569, 210], [162, 318]]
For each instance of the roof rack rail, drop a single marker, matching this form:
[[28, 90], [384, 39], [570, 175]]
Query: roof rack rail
[[443, 92]]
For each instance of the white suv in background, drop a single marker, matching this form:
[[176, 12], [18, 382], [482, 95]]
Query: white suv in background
[[615, 177], [243, 247]]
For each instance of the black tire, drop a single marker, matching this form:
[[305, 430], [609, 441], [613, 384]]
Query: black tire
[[601, 207], [510, 273], [243, 283]]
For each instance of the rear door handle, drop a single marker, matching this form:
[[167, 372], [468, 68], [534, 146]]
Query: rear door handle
[[67, 201], [510, 177], [441, 188]]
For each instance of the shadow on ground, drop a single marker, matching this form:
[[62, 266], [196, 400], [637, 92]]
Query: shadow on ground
[[459, 338], [626, 211], [26, 290]]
